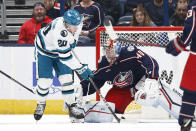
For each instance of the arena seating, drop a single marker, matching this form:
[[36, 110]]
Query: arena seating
[[12, 15]]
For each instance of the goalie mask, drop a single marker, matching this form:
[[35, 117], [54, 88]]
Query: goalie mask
[[111, 50]]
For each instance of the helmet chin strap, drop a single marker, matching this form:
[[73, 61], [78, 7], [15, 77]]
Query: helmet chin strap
[[112, 61]]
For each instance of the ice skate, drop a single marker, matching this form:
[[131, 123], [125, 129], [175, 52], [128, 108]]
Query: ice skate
[[76, 111], [187, 123], [39, 111], [75, 120]]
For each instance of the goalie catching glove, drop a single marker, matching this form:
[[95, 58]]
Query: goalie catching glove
[[84, 72], [149, 94]]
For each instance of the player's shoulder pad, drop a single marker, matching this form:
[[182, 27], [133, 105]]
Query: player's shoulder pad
[[130, 48], [58, 22]]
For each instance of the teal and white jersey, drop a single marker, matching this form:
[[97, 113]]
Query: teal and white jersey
[[54, 41]]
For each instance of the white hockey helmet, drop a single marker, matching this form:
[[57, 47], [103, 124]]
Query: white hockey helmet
[[111, 50]]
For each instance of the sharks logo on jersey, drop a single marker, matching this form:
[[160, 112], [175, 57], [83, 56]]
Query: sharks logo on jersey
[[123, 79], [64, 33]]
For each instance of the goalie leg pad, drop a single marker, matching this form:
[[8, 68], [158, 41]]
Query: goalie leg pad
[[170, 99], [98, 112]]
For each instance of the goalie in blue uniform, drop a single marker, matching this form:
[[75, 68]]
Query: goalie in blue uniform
[[134, 76]]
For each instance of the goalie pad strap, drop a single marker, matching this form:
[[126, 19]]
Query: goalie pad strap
[[168, 100]]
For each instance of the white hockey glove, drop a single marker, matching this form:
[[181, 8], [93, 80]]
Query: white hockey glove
[[149, 95]]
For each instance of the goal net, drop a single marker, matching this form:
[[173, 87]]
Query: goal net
[[151, 40]]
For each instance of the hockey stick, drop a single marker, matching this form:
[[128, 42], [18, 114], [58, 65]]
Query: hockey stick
[[108, 106], [97, 90], [11, 78], [112, 35]]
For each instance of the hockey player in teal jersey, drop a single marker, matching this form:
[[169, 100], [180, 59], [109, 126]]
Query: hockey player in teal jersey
[[53, 46]]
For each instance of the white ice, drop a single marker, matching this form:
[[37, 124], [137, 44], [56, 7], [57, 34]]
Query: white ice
[[62, 123]]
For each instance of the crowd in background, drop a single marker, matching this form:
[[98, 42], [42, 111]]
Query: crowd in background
[[120, 12]]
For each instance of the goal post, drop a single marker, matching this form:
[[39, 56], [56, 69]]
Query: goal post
[[149, 38]]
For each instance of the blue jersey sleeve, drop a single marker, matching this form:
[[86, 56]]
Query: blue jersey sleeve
[[149, 63], [189, 25]]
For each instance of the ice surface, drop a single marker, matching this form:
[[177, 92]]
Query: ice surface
[[62, 123]]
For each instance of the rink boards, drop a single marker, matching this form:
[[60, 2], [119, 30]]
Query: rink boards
[[19, 63]]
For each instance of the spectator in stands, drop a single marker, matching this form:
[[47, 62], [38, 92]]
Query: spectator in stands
[[94, 17], [183, 2], [141, 17], [111, 9], [180, 15], [155, 10], [53, 7], [126, 6], [30, 28]]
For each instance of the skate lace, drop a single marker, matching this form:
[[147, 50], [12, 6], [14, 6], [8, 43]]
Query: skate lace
[[40, 109], [76, 110]]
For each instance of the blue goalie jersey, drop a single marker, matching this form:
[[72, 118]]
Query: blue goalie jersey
[[131, 65]]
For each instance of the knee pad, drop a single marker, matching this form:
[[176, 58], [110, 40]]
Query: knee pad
[[66, 83], [43, 86], [66, 79]]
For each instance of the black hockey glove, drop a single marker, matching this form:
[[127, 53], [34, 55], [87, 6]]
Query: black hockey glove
[[172, 49]]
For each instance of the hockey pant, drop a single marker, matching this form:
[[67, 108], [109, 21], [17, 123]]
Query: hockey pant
[[121, 97], [45, 67]]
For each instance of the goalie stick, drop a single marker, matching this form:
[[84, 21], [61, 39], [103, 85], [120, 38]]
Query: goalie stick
[[97, 90], [11, 78], [112, 35]]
